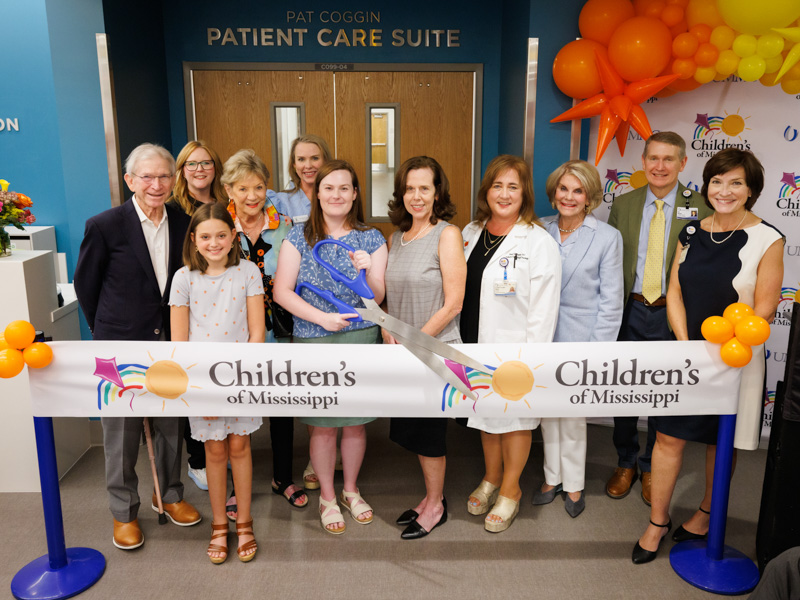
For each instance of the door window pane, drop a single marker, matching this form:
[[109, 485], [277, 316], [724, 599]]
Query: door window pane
[[383, 150], [288, 123]]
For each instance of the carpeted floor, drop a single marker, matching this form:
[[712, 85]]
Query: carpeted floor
[[544, 553]]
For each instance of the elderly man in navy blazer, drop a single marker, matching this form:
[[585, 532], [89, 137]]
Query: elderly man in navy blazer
[[125, 267], [664, 206]]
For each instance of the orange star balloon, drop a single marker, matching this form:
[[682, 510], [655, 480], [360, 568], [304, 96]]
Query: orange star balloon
[[617, 105]]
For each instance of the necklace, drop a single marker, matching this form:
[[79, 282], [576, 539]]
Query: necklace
[[257, 229], [419, 233], [492, 242], [711, 233], [569, 230]]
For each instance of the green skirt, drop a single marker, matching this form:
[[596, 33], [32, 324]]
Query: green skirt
[[368, 335]]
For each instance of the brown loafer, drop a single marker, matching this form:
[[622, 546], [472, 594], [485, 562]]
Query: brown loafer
[[620, 483], [127, 536], [181, 513], [646, 487]]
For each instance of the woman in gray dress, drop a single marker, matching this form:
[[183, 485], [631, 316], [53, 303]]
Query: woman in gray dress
[[425, 280]]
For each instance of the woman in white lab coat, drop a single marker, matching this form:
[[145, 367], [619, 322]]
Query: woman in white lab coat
[[512, 295]]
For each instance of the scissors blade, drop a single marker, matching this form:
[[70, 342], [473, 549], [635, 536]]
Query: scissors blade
[[438, 367], [414, 336]]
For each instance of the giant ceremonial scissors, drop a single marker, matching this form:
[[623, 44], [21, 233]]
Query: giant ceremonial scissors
[[425, 347]]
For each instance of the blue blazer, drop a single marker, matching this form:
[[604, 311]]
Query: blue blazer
[[591, 283], [114, 279]]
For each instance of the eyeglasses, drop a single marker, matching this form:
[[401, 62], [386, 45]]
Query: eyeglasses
[[149, 179], [203, 165]]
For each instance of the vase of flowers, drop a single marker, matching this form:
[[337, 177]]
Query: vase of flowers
[[14, 210]]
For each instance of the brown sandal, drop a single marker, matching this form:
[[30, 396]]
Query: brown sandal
[[218, 530], [245, 529]]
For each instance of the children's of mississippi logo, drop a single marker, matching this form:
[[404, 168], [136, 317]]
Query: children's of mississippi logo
[[620, 182], [713, 133], [789, 196]]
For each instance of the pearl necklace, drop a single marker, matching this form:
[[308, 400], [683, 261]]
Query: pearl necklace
[[419, 233], [711, 233], [569, 230]]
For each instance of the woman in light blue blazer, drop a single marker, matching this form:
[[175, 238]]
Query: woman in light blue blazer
[[590, 311]]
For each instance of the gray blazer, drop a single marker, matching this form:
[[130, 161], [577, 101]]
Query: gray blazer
[[591, 283]]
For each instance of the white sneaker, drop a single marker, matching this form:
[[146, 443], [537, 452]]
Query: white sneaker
[[199, 478]]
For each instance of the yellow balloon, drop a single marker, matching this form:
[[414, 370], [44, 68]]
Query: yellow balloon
[[769, 45], [705, 74], [791, 86], [722, 37], [727, 63], [744, 45], [749, 16], [751, 68], [774, 64]]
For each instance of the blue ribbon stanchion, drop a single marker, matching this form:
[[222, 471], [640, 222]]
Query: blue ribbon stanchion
[[62, 572], [710, 564]]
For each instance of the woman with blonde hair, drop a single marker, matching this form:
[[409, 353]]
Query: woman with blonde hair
[[590, 311], [307, 154], [513, 285], [197, 180]]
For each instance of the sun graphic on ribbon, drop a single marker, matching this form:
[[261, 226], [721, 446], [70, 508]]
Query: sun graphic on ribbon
[[167, 379], [513, 380]]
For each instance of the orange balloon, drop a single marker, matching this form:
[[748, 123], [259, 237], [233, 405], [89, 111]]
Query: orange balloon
[[701, 31], [599, 18], [681, 3], [685, 45], [3, 343], [706, 55], [640, 48], [736, 311], [703, 11], [672, 15], [717, 330], [19, 334], [11, 363], [575, 71], [648, 8], [752, 330], [684, 67], [684, 85], [38, 355], [735, 354]]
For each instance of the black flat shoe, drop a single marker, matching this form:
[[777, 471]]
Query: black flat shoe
[[640, 555], [407, 517], [681, 535], [415, 531]]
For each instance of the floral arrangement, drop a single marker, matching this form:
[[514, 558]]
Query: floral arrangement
[[14, 210]]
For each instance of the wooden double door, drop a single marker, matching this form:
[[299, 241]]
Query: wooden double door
[[433, 113]]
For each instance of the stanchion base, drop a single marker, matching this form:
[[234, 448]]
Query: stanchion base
[[37, 580], [734, 574]]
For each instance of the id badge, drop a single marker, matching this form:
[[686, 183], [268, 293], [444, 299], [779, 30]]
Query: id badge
[[687, 213], [505, 287], [300, 219]]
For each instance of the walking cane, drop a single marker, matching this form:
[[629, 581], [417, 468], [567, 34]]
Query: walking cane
[[162, 518]]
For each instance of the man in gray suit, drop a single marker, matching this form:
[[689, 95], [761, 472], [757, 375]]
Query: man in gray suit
[[125, 267], [664, 206]]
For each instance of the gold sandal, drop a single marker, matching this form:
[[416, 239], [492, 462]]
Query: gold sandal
[[308, 473], [245, 529], [218, 530], [486, 494], [330, 514], [506, 509]]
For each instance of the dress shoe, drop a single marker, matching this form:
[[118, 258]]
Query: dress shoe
[[646, 477], [620, 483], [127, 536], [407, 517], [575, 508], [541, 497], [640, 555], [414, 531], [181, 513], [681, 535]]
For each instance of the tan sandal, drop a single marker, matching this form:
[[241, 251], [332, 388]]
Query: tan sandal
[[486, 494], [330, 514], [506, 509], [356, 505], [242, 551], [218, 530], [308, 473]]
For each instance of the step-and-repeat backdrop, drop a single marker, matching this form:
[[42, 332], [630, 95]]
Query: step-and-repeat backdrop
[[715, 116]]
